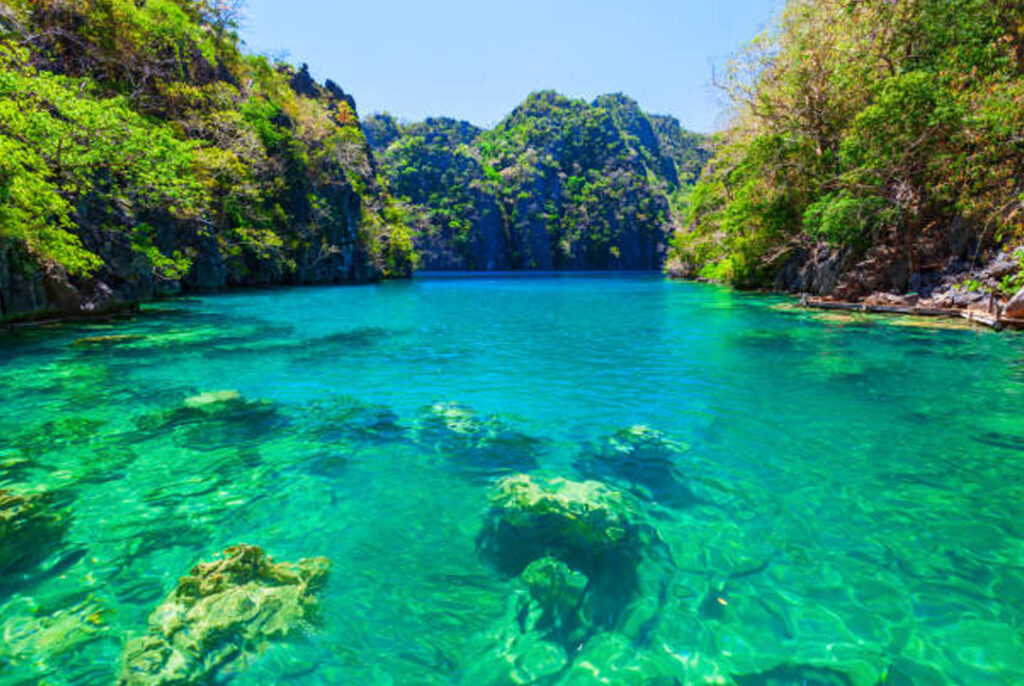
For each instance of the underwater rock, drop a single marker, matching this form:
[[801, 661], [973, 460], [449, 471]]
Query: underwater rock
[[590, 532], [214, 419], [481, 446], [344, 419], [57, 435], [58, 452], [586, 513], [31, 637], [577, 522], [640, 456], [30, 528], [221, 615], [213, 400], [513, 657], [557, 588], [556, 605], [102, 342]]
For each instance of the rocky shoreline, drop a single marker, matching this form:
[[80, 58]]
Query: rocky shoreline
[[991, 316], [971, 294], [828, 278]]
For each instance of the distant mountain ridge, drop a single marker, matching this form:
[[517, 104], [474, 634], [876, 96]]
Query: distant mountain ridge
[[560, 183]]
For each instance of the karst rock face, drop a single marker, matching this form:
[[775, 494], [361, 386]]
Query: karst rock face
[[220, 170], [559, 184]]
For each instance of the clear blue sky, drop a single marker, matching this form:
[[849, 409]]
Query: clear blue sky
[[477, 59]]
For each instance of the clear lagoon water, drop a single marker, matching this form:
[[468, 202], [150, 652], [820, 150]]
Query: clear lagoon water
[[850, 508]]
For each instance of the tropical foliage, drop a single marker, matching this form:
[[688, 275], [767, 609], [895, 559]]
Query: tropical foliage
[[144, 120], [863, 125], [566, 183]]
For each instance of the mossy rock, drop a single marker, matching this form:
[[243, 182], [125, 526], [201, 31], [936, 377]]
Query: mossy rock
[[213, 401], [221, 615], [583, 523], [554, 585], [581, 512], [31, 527]]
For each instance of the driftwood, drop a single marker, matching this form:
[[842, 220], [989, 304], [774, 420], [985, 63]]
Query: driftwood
[[992, 317]]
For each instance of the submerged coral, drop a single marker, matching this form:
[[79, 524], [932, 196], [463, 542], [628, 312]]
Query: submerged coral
[[31, 525], [221, 615]]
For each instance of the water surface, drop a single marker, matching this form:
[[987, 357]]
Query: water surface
[[850, 509]]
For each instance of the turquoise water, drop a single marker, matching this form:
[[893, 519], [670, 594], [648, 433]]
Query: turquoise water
[[850, 508]]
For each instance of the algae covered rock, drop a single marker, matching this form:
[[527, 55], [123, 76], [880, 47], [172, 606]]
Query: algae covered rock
[[477, 445], [579, 522], [640, 456], [579, 548], [221, 615], [31, 525]]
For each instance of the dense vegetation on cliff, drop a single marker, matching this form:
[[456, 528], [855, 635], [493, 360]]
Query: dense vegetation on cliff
[[141, 152], [558, 184], [875, 145]]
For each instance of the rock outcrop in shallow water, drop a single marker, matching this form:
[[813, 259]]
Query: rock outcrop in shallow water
[[577, 551], [532, 517], [595, 530], [221, 615]]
